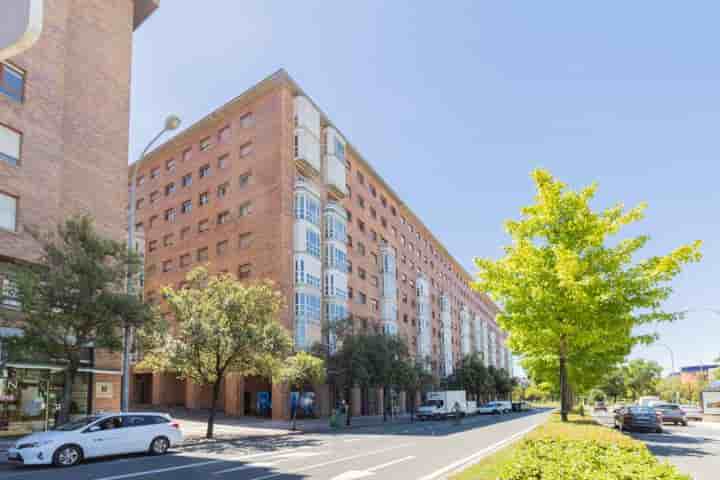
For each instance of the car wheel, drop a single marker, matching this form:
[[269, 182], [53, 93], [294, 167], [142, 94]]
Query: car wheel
[[159, 446], [659, 430], [684, 424], [67, 456]]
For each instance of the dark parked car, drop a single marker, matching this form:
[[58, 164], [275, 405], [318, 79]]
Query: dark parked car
[[636, 417], [671, 413]]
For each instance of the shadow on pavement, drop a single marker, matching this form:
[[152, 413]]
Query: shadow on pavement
[[677, 444]]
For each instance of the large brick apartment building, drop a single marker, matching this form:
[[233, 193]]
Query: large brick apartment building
[[266, 187], [63, 152]]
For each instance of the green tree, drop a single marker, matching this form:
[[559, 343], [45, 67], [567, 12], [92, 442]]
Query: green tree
[[300, 370], [73, 298], [473, 376], [612, 384], [413, 378], [222, 326], [571, 299], [642, 377]]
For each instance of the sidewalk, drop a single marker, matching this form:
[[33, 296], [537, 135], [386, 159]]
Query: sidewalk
[[194, 425]]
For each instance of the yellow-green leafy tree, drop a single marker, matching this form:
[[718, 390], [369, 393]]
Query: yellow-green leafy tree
[[299, 371], [571, 294], [221, 326]]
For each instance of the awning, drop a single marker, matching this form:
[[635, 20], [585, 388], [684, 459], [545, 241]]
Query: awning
[[52, 367]]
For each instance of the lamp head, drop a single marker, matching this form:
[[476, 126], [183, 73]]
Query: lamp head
[[172, 122]]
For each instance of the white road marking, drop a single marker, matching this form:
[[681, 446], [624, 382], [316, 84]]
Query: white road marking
[[160, 470], [331, 462], [393, 462], [246, 467], [355, 474], [477, 455], [348, 440]]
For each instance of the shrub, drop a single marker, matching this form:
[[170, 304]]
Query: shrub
[[551, 458]]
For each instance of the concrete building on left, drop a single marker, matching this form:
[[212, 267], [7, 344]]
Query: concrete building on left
[[64, 121]]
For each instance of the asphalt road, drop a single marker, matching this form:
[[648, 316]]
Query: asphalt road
[[419, 451], [694, 449]]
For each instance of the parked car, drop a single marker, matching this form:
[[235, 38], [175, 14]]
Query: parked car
[[636, 417], [671, 413], [693, 412], [617, 407], [443, 404], [98, 436], [495, 407], [600, 407]]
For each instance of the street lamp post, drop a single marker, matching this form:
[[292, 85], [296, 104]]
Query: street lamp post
[[172, 122], [672, 363]]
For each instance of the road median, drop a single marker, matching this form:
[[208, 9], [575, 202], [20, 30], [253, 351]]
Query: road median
[[579, 450]]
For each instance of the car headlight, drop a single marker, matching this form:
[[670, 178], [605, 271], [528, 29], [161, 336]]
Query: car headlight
[[34, 444]]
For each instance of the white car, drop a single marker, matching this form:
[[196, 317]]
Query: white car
[[493, 407], [98, 436]]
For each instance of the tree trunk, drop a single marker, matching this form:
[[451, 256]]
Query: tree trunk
[[67, 395], [349, 405], [564, 389], [213, 406], [384, 405], [294, 412]]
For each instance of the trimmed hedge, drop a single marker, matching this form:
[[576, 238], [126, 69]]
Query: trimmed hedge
[[551, 458]]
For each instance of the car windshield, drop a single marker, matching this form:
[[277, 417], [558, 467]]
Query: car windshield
[[641, 410], [76, 424]]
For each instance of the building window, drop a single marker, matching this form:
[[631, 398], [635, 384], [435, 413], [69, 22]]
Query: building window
[[349, 241], [204, 198], [139, 204], [361, 298], [221, 248], [244, 271], [361, 225], [223, 161], [245, 209], [247, 120], [169, 188], [152, 245], [350, 293], [12, 82], [373, 192], [152, 221], [373, 213], [223, 217], [170, 165], [360, 201], [168, 240], [205, 144], [244, 240], [393, 211], [222, 190], [185, 260], [10, 142], [383, 201], [186, 206], [9, 293], [360, 178], [154, 196], [187, 154], [170, 215], [244, 180], [374, 257], [361, 249], [383, 222], [154, 173], [203, 225], [167, 266], [224, 134], [204, 171], [246, 149], [140, 180], [187, 180], [373, 235], [184, 233], [361, 273], [374, 305], [348, 263], [313, 242], [202, 254]]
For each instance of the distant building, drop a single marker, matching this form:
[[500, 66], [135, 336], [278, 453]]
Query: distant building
[[692, 373]]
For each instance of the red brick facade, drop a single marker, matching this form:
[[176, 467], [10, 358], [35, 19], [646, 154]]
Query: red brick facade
[[248, 146], [74, 120]]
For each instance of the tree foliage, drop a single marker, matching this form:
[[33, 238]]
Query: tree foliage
[[642, 377], [73, 299], [300, 370], [222, 326], [571, 299]]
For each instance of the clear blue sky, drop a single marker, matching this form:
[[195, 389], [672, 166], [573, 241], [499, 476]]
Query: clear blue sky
[[455, 102]]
